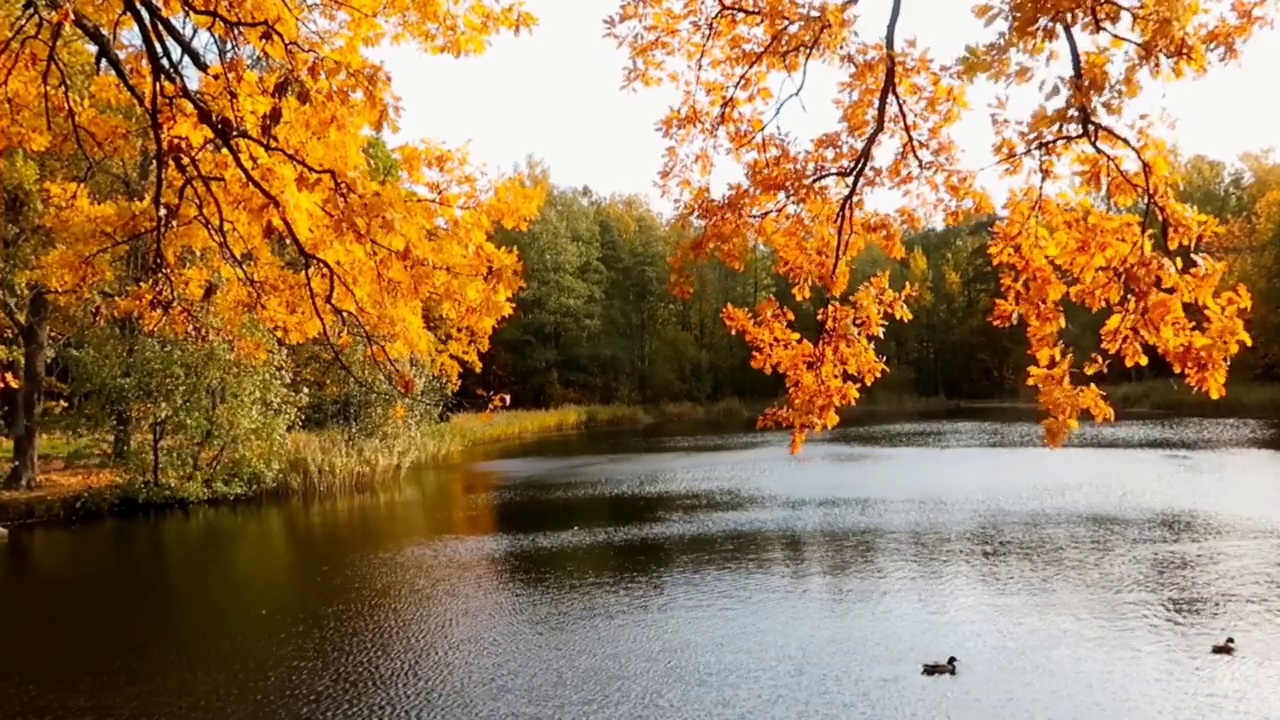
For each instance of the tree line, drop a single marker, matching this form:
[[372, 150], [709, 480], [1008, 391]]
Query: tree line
[[596, 322]]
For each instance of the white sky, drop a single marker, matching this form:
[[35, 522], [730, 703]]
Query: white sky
[[556, 95]]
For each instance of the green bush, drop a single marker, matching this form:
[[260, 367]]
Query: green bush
[[199, 421]]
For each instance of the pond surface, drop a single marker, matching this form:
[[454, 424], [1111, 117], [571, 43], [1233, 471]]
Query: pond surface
[[631, 576]]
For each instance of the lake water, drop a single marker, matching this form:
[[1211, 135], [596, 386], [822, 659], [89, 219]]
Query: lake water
[[668, 576]]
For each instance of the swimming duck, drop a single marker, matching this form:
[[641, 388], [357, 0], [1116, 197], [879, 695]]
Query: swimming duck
[[1226, 648], [946, 668]]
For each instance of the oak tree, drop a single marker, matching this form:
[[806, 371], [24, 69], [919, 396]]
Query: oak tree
[[247, 122], [1093, 219]]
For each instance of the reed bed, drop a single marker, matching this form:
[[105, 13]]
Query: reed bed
[[327, 462]]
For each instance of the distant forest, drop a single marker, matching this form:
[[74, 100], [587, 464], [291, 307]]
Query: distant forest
[[597, 323]]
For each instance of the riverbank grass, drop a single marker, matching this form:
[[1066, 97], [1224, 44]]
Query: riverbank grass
[[76, 477], [320, 462], [1243, 399], [1173, 397]]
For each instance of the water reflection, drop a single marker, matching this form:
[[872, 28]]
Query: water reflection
[[686, 576]]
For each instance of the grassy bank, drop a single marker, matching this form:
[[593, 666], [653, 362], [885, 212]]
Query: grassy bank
[[1245, 400], [77, 481], [327, 462], [322, 462]]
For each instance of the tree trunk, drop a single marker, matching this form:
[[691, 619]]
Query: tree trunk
[[157, 437], [121, 434], [29, 409], [122, 414], [9, 401]]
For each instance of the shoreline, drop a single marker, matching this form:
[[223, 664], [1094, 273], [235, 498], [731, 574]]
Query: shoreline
[[323, 463]]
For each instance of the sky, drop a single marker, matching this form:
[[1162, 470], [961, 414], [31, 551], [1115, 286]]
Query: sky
[[556, 95]]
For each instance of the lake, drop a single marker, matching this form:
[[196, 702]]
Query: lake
[[668, 575]]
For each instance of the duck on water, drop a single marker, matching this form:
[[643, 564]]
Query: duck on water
[[1228, 647], [946, 668]]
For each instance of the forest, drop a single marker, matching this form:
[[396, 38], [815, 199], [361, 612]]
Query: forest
[[209, 250], [597, 324]]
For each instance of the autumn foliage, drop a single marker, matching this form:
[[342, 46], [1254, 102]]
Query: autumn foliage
[[203, 162], [1093, 218], [201, 169]]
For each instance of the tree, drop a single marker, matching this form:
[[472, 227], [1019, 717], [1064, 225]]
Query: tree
[[25, 309], [246, 121], [210, 422], [1137, 262], [950, 349], [1246, 197], [547, 344], [596, 324]]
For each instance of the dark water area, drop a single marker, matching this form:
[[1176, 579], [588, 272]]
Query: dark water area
[[688, 575]]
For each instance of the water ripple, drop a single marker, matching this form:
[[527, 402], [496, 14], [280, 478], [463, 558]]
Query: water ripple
[[699, 577]]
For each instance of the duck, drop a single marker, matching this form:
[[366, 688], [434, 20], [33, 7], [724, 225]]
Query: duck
[[1226, 648], [946, 668]]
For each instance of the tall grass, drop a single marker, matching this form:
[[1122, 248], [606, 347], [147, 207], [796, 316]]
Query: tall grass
[[471, 429], [324, 462]]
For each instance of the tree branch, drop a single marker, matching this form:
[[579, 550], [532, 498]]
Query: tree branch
[[863, 161]]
